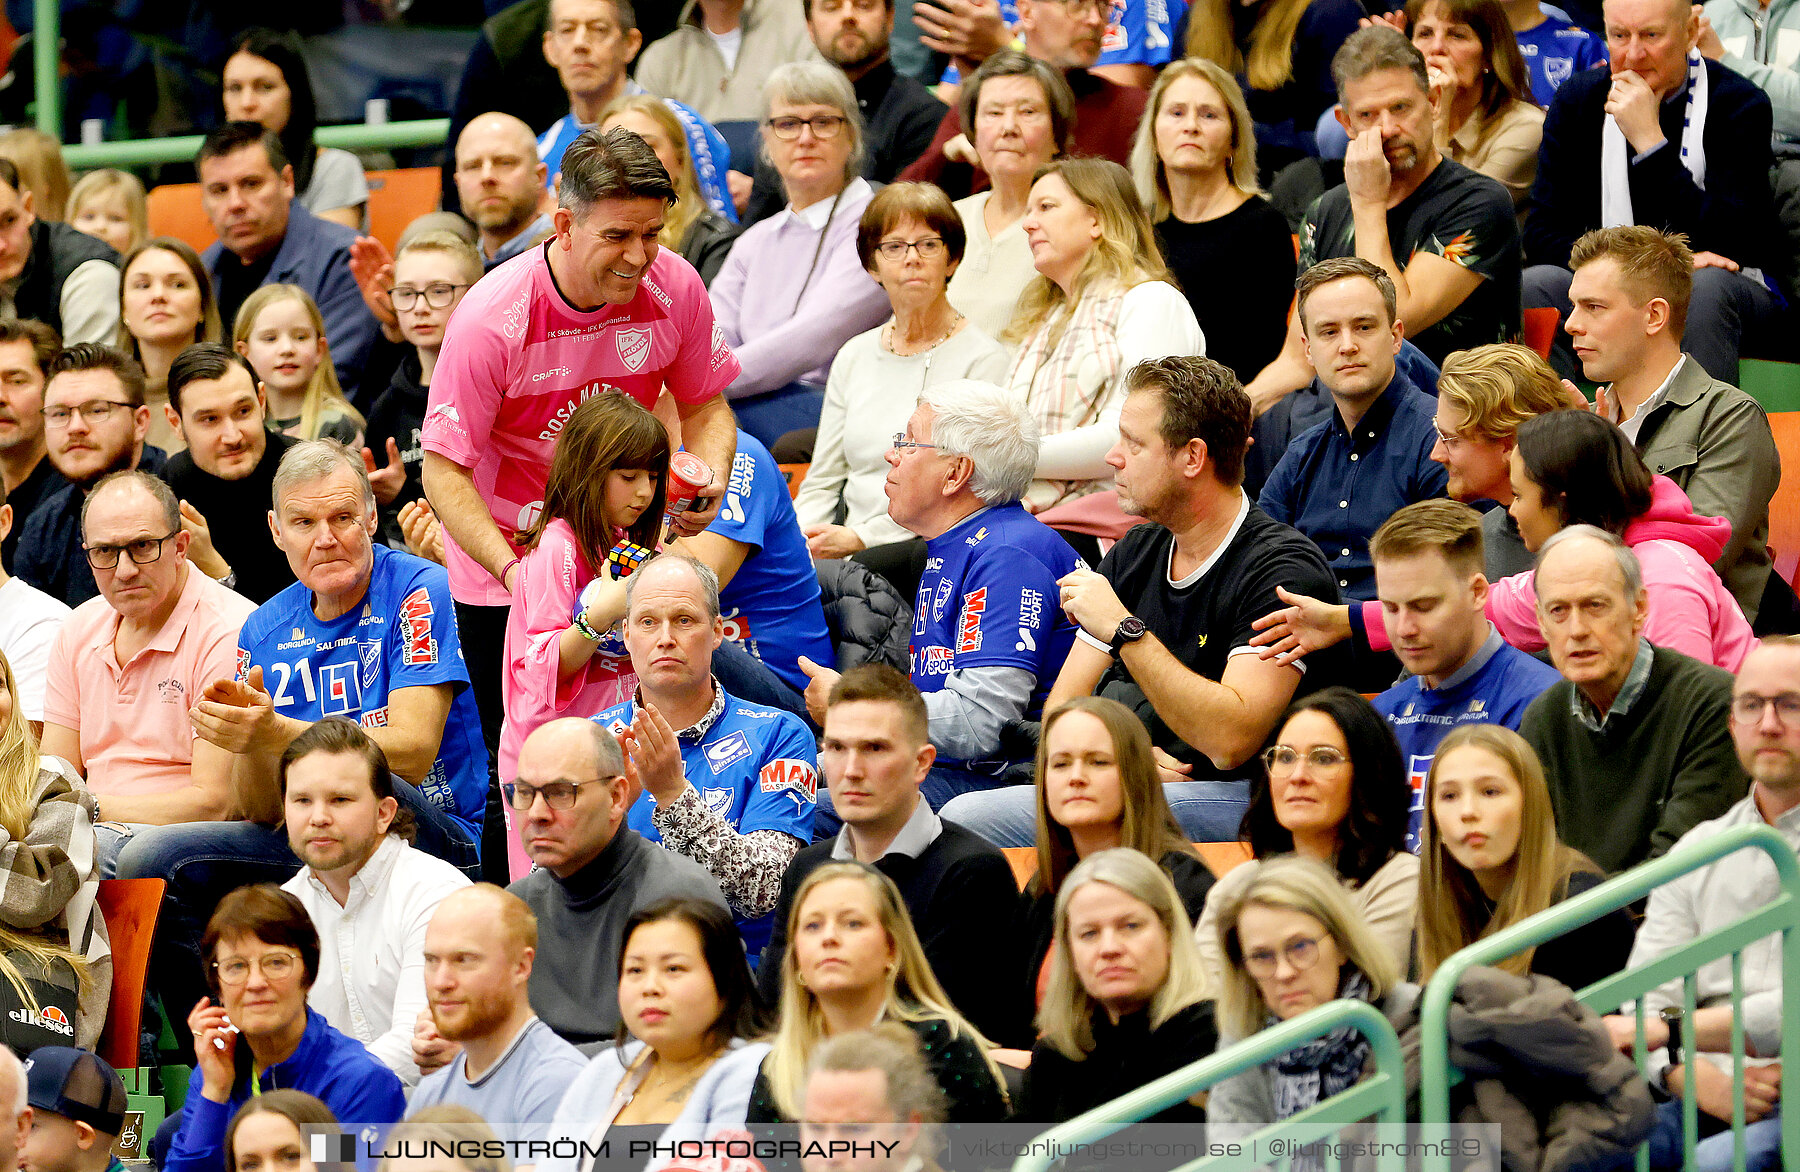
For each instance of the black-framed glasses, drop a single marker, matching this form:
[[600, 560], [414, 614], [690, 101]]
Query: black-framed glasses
[[437, 296], [94, 411], [558, 795], [1284, 759], [274, 966], [928, 248], [1748, 709], [143, 551], [1301, 953], [787, 129], [901, 443]]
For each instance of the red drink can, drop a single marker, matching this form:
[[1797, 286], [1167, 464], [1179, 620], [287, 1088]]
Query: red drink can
[[688, 474]]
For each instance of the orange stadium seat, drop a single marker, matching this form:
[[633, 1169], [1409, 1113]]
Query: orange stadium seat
[[1539, 330], [131, 907], [397, 198], [174, 210], [1784, 508]]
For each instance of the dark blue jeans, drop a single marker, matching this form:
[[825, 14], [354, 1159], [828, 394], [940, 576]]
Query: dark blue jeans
[[749, 678]]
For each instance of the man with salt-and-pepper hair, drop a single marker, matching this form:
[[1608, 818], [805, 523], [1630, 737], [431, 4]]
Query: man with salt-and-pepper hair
[[988, 637]]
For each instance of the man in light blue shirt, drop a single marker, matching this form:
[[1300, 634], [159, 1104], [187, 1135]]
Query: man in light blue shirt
[[484, 1047]]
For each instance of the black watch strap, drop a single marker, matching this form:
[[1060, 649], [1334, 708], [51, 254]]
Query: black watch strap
[[1130, 630]]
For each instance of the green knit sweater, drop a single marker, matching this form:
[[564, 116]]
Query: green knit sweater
[[1627, 793]]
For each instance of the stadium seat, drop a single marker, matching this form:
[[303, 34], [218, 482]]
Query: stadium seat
[[397, 198], [1784, 507], [796, 475], [130, 907], [1219, 857], [1539, 330], [174, 210]]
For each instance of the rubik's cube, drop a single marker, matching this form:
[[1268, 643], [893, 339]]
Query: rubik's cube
[[625, 558]]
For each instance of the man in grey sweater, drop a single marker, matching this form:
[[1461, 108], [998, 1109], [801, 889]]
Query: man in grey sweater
[[591, 872]]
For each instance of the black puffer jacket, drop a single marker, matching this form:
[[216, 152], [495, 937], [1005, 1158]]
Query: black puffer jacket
[[866, 616]]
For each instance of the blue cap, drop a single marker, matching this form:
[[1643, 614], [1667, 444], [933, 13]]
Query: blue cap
[[76, 1084]]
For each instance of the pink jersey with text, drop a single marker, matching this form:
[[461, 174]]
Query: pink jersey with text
[[518, 359]]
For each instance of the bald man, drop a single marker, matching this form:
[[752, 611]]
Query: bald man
[[569, 797], [15, 1113], [511, 1068], [501, 185]]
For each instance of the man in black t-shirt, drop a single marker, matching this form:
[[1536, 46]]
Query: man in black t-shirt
[[1166, 621], [1447, 235], [228, 469]]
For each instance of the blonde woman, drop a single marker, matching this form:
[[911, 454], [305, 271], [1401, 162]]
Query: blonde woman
[[279, 329], [1101, 303], [701, 235], [853, 961], [1280, 51], [109, 205], [442, 1127], [42, 171], [166, 304], [1126, 1002], [1491, 858], [54, 950], [1194, 163], [1293, 942]]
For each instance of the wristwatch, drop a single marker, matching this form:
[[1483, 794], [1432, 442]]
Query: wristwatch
[[1130, 630], [1671, 1016]]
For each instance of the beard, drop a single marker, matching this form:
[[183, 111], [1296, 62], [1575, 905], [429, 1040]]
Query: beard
[[479, 1017], [866, 54], [120, 461]]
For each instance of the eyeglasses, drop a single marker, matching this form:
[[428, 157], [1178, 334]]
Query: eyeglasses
[[1750, 709], [901, 443], [930, 248], [274, 966], [1301, 953], [143, 551], [823, 126], [558, 795], [1448, 438], [1081, 8], [1284, 759], [438, 296], [95, 411]]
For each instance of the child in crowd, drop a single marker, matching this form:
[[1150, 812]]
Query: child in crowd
[[1491, 858], [280, 331], [109, 205], [561, 656], [431, 273]]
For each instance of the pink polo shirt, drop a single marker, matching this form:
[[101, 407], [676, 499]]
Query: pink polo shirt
[[518, 359], [133, 718]]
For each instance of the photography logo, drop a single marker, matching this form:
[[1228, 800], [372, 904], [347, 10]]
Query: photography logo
[[333, 1148]]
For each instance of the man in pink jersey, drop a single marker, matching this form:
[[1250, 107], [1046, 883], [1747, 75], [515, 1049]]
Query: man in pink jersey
[[598, 308]]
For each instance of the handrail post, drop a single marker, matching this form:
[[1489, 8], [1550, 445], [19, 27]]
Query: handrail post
[[46, 58]]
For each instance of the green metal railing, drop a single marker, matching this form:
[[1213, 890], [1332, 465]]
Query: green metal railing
[[1780, 915], [1382, 1095], [47, 40]]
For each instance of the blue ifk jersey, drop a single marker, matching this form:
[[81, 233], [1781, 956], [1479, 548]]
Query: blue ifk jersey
[[756, 767], [403, 635], [1498, 690], [989, 599], [772, 606]]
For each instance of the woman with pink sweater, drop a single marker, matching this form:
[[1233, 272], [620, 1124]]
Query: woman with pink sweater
[[1573, 468]]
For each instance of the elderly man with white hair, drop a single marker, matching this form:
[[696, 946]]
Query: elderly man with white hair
[[988, 637]]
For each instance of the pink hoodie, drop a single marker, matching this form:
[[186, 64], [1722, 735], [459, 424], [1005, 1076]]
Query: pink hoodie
[[1690, 609]]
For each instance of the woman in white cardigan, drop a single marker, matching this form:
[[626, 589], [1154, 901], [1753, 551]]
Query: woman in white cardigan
[[1102, 303], [688, 1006]]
